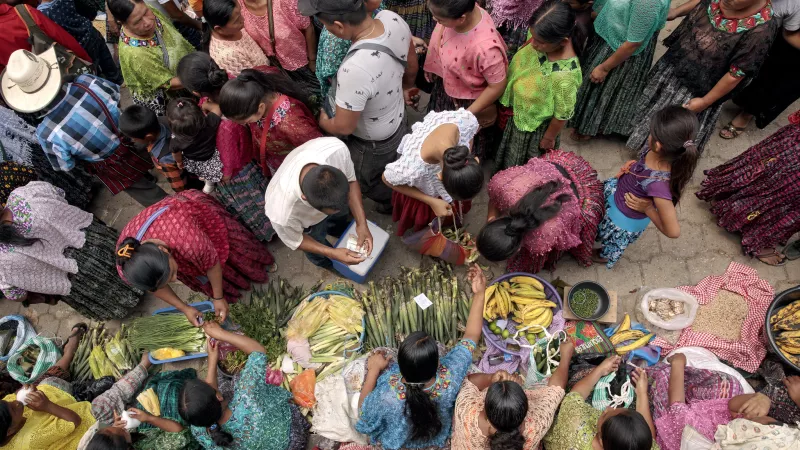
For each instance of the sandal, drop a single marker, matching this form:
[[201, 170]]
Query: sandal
[[577, 137], [767, 253], [82, 327], [733, 131], [792, 251]]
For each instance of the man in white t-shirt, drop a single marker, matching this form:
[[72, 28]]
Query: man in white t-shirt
[[371, 87], [309, 197]]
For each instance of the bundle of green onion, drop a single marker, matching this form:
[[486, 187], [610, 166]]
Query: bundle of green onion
[[166, 330]]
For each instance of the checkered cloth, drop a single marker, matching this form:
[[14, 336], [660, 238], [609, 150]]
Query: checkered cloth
[[77, 128], [750, 350]]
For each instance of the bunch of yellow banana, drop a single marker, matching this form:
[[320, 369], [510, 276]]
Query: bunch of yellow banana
[[521, 297], [786, 328], [632, 339]]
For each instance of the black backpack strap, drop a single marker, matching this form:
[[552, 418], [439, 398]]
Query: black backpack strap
[[36, 34], [376, 47]]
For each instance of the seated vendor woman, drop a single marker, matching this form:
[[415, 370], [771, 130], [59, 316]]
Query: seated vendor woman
[[493, 411], [411, 403]]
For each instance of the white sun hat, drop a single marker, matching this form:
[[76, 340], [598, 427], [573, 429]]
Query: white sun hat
[[30, 82]]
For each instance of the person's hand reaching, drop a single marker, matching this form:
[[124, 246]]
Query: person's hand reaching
[[611, 364]]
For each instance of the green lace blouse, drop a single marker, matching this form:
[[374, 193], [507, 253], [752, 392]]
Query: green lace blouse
[[539, 89], [148, 65], [620, 21]]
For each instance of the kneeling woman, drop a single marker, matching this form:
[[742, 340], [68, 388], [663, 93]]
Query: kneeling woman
[[494, 412], [435, 169], [540, 210], [260, 415], [51, 251], [411, 403], [190, 237]]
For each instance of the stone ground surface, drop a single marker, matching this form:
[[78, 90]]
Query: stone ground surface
[[654, 261]]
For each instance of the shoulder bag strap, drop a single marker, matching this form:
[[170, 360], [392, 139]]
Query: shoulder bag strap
[[30, 24], [102, 105], [376, 47]]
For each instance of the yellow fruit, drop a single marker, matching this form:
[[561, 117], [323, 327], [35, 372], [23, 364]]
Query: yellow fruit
[[529, 281], [167, 353], [627, 335], [506, 285], [626, 323], [527, 293], [532, 301], [150, 403], [490, 291], [639, 343]]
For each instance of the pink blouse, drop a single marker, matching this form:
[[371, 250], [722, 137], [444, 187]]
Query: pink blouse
[[290, 42], [468, 62], [235, 56], [562, 232]]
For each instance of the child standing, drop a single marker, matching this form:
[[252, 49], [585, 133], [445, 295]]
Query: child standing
[[544, 78], [194, 139], [648, 190], [467, 62]]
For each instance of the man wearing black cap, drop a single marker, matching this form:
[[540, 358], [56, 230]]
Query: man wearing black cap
[[371, 88], [309, 198]]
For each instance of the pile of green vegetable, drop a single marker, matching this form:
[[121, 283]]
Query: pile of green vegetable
[[99, 355], [392, 314], [584, 302], [166, 331], [269, 311]]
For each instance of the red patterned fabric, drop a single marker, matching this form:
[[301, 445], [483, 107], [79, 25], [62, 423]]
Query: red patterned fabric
[[291, 125], [750, 350], [200, 233], [235, 145], [412, 214]]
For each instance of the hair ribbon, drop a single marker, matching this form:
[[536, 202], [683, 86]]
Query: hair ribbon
[[688, 143]]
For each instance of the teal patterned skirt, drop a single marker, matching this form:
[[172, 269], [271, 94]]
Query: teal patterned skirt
[[517, 146], [609, 107], [243, 197]]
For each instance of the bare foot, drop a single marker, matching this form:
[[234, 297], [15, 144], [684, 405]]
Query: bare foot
[[771, 256], [793, 388], [597, 258], [577, 137]]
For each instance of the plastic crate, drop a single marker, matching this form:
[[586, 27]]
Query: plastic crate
[[359, 272], [200, 306], [551, 294]]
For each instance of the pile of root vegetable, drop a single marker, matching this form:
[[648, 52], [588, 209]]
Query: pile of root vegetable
[[100, 354], [392, 313]]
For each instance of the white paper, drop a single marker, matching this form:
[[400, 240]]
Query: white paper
[[423, 301], [287, 365], [501, 323]]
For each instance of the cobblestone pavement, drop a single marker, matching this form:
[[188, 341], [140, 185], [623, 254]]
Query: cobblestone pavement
[[655, 261]]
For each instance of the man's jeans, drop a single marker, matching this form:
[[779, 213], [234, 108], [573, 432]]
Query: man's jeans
[[333, 225]]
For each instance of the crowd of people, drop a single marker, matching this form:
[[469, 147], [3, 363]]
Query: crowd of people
[[278, 117]]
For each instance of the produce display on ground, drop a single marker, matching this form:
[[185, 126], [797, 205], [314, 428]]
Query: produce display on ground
[[626, 339], [584, 302], [521, 299], [723, 316], [393, 313], [786, 329], [100, 355], [171, 331], [150, 402]]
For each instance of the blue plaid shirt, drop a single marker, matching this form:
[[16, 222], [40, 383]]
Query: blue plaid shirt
[[77, 127]]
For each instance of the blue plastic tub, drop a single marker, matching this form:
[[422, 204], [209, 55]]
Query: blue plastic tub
[[346, 352], [377, 251], [200, 306]]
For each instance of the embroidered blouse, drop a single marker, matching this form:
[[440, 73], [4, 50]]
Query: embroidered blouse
[[235, 56], [411, 170], [291, 125], [706, 46], [382, 417]]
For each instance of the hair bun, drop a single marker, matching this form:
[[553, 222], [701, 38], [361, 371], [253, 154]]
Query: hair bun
[[126, 249], [457, 157], [217, 77], [518, 226]]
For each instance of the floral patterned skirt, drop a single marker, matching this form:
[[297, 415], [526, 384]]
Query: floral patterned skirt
[[614, 239]]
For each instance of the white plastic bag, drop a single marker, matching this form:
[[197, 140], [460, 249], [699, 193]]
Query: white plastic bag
[[678, 322], [24, 331]]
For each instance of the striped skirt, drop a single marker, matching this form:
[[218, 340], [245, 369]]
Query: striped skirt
[[416, 14], [486, 140], [663, 89], [608, 107], [518, 146], [589, 191], [76, 184], [757, 193], [97, 291], [243, 197]]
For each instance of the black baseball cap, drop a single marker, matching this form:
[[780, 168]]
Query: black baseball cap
[[314, 7]]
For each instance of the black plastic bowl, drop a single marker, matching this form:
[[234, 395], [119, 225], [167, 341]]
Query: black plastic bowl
[[602, 305], [781, 300]]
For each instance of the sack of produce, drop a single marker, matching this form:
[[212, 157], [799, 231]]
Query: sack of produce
[[14, 331], [545, 358], [614, 390], [453, 246], [669, 308], [33, 359], [302, 387]]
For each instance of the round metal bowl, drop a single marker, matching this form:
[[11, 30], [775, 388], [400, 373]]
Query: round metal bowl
[[782, 299], [602, 305]]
